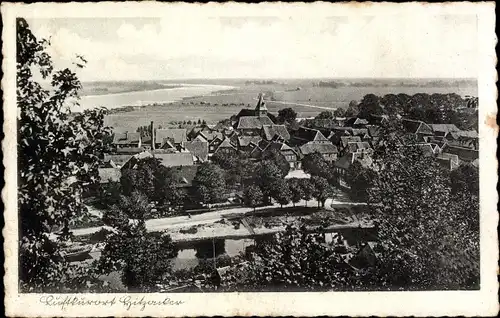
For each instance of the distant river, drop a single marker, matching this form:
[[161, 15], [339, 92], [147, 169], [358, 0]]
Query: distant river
[[141, 98]]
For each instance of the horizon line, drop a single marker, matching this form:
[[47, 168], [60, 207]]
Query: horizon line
[[282, 78]]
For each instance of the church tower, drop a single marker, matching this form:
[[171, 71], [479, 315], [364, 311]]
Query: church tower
[[261, 109]]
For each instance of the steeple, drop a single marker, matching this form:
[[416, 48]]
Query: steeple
[[261, 109]]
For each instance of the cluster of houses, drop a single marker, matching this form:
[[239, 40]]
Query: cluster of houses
[[341, 141]]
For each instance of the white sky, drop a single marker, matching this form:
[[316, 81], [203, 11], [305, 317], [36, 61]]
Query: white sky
[[183, 46]]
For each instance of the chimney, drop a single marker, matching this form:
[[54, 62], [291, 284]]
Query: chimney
[[152, 135]]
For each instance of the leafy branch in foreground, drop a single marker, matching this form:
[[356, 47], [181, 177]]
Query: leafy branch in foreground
[[58, 153]]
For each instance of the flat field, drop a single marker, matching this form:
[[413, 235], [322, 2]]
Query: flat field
[[304, 96]]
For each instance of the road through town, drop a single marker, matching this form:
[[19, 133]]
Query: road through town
[[154, 225]]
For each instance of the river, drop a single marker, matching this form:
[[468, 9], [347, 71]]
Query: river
[[141, 98]]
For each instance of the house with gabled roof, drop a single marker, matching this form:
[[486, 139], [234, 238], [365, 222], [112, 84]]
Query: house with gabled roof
[[195, 131], [252, 125], [338, 132], [226, 146], [342, 165], [439, 141], [466, 139], [442, 130], [108, 162], [345, 140], [249, 122], [311, 140], [127, 140], [355, 122], [116, 160], [168, 137], [357, 147], [210, 136], [464, 154], [328, 151], [290, 155], [304, 135], [247, 143], [417, 128], [132, 161], [198, 147], [270, 132], [214, 144], [185, 175]]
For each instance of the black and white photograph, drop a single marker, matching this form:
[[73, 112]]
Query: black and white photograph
[[218, 149]]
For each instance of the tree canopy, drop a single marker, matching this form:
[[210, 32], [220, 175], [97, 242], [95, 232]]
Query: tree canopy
[[315, 164], [325, 115], [322, 189], [142, 258], [296, 190], [428, 240], [339, 112], [359, 180], [431, 108], [268, 175], [209, 184], [278, 159], [286, 115], [296, 260], [253, 196], [58, 152]]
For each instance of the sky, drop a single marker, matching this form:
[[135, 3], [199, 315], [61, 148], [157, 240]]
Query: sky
[[183, 46]]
